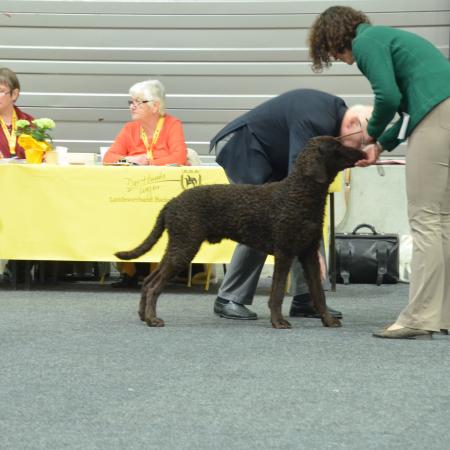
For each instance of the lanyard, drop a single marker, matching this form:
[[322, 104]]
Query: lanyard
[[155, 137], [10, 137]]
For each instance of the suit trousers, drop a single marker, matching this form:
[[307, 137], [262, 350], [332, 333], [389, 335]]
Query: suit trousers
[[428, 194], [241, 280]]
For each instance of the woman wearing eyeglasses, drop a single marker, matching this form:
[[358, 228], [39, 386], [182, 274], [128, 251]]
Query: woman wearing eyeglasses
[[153, 137], [10, 114], [409, 76]]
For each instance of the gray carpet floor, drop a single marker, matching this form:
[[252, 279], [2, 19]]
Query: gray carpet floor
[[80, 371]]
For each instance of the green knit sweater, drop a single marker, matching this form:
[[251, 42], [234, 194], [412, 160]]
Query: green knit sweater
[[407, 74]]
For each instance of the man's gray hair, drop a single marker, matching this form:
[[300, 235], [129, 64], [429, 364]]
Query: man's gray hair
[[363, 112]]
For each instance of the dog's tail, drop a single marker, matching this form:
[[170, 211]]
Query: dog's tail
[[149, 241]]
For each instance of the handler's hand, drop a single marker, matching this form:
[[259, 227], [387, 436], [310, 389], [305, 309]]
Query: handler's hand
[[372, 154]]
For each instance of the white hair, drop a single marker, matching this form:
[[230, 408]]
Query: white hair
[[150, 90], [363, 112]]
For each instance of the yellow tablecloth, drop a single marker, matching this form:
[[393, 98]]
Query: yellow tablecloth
[[87, 213]]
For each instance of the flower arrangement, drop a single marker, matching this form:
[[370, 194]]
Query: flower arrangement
[[34, 138]]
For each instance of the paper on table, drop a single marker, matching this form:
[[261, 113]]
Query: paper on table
[[13, 160]]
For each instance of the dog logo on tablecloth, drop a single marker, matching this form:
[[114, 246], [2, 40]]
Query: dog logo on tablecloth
[[190, 180]]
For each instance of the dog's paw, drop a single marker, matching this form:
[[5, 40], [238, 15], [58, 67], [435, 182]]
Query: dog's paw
[[155, 322], [281, 324], [331, 322]]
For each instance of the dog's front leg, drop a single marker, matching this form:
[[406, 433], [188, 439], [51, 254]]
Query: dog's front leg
[[311, 267], [280, 273]]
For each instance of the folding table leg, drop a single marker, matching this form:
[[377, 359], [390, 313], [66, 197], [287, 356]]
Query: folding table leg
[[27, 275], [13, 267]]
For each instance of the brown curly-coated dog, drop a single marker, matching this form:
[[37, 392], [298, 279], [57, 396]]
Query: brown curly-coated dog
[[283, 218]]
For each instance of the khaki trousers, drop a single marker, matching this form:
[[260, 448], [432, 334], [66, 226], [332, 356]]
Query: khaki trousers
[[428, 193]]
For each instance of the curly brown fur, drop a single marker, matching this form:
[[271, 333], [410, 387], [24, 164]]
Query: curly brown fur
[[284, 219], [332, 33]]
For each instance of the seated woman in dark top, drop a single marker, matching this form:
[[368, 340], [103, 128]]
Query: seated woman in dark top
[[10, 114]]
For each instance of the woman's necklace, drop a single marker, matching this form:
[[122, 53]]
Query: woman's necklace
[[11, 137], [150, 147]]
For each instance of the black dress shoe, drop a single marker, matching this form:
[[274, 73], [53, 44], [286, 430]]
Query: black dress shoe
[[231, 310], [302, 306], [126, 281]]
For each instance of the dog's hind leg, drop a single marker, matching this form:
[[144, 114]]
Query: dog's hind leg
[[151, 290], [174, 260], [280, 274], [311, 267], [143, 302]]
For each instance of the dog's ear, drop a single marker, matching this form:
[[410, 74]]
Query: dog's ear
[[319, 151], [316, 169]]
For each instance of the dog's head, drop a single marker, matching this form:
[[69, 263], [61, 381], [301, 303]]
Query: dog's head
[[324, 156]]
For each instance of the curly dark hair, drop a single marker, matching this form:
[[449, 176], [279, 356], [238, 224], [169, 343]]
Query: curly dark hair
[[331, 33]]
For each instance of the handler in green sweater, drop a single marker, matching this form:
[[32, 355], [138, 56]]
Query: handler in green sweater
[[411, 77]]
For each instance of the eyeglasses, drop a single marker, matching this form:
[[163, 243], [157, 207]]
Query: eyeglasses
[[137, 102], [352, 134], [2, 94], [349, 134], [361, 130]]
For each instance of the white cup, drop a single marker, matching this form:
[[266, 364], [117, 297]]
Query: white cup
[[61, 155]]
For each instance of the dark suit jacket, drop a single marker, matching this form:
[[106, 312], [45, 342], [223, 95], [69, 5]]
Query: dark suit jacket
[[265, 141]]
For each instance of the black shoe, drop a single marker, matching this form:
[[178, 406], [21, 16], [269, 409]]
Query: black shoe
[[231, 310], [126, 281], [302, 307]]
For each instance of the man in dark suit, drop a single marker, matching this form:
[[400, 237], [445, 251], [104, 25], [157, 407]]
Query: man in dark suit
[[261, 146]]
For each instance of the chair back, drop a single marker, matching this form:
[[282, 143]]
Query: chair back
[[192, 158]]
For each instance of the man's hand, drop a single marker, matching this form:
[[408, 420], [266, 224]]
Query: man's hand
[[373, 152]]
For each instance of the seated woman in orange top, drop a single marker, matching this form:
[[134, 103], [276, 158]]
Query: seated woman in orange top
[[153, 137]]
